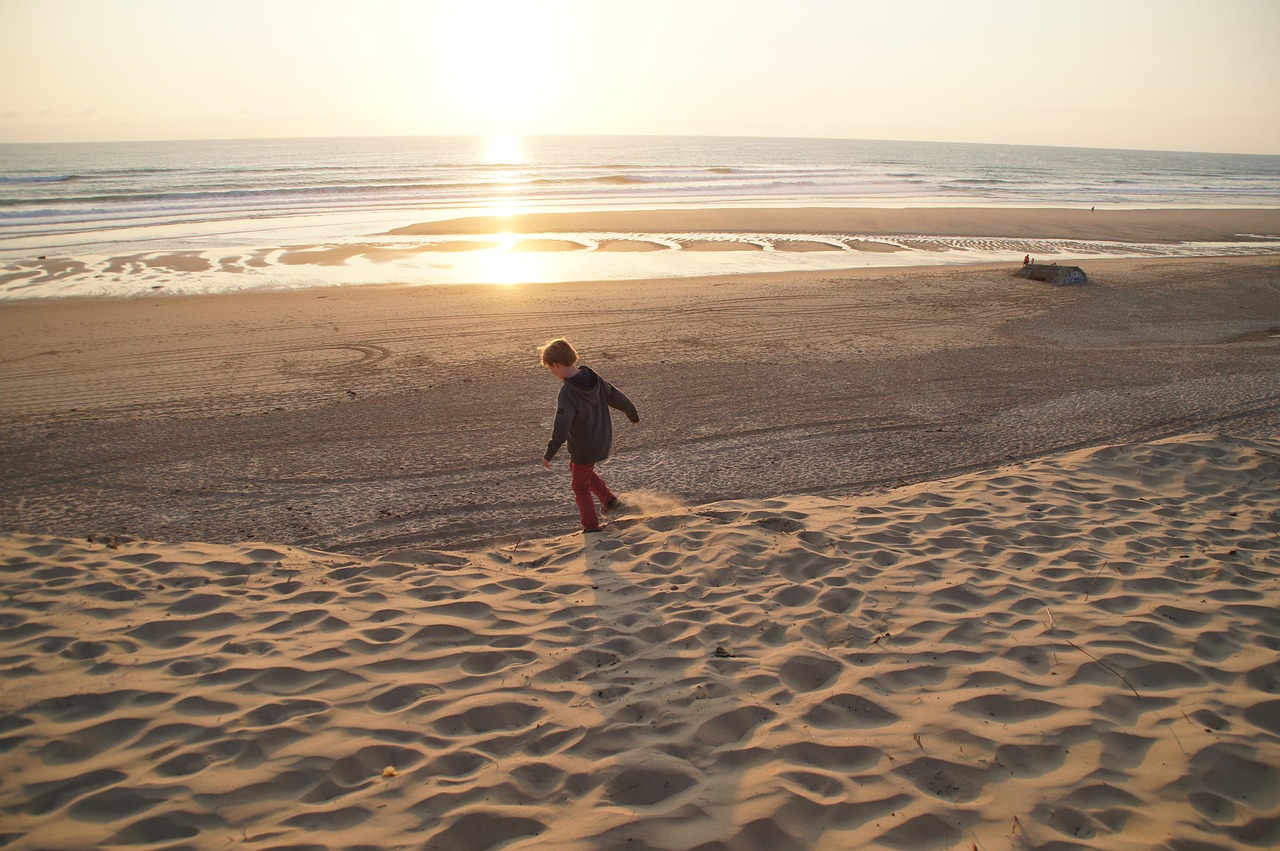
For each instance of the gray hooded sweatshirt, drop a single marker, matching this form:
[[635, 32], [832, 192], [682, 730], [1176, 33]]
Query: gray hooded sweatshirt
[[582, 417]]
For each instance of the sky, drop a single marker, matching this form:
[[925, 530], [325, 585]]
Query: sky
[[1189, 75]]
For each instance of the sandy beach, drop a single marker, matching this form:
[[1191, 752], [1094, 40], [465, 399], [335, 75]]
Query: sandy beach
[[1076, 652], [360, 419], [1029, 223], [912, 558]]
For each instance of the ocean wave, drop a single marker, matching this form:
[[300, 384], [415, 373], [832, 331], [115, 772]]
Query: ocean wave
[[134, 172], [479, 188], [608, 179], [237, 194], [57, 190], [59, 178]]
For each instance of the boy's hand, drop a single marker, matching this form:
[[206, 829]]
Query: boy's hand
[[546, 463]]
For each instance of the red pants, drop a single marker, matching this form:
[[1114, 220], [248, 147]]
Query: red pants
[[585, 483]]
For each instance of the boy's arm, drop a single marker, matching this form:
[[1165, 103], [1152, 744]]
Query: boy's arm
[[617, 399], [559, 429]]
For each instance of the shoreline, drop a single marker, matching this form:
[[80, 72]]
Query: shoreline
[[641, 244], [1130, 225]]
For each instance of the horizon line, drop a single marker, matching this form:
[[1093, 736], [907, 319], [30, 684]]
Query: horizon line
[[622, 136]]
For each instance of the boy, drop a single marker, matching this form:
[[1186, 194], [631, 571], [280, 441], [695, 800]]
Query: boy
[[582, 418]]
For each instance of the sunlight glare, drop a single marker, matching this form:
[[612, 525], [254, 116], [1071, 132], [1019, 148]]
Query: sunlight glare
[[503, 264], [502, 149], [501, 59], [505, 208]]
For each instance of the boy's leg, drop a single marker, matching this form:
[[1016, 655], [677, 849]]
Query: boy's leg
[[580, 481], [600, 489]]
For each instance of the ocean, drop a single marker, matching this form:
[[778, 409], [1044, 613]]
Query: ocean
[[88, 203]]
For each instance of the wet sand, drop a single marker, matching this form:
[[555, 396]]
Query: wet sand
[[1032, 223], [359, 419]]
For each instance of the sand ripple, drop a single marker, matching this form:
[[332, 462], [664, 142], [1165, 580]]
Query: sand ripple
[[1076, 652]]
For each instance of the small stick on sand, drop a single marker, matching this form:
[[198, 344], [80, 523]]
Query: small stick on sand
[[1178, 738], [1052, 626], [1089, 590], [1105, 665]]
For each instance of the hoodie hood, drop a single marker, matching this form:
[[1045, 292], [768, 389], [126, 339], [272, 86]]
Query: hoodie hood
[[585, 382]]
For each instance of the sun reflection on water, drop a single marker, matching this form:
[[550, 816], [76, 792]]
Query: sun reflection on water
[[505, 263], [502, 149], [499, 151]]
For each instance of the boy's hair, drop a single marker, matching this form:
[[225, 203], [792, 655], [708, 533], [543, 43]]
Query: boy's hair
[[557, 352]]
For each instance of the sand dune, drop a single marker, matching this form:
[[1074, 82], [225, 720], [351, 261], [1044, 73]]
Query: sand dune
[[1076, 652]]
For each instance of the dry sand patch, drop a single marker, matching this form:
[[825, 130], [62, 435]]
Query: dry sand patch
[[1079, 651]]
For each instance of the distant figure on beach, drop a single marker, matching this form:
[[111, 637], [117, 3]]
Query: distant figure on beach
[[1026, 259], [582, 419]]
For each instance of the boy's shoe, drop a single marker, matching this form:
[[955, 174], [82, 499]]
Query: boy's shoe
[[611, 506], [596, 530]]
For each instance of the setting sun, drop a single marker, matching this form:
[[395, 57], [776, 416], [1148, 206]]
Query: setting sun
[[500, 61], [502, 149]]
